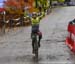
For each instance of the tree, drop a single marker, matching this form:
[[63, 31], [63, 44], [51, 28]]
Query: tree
[[11, 5], [18, 5]]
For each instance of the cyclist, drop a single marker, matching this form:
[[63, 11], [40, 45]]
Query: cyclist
[[35, 21]]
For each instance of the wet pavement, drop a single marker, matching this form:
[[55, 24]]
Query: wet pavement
[[15, 46]]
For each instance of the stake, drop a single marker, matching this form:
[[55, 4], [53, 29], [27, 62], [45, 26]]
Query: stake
[[3, 28]]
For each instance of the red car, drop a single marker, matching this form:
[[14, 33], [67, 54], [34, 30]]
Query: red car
[[70, 40]]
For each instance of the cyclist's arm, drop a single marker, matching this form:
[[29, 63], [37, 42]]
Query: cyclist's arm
[[41, 16]]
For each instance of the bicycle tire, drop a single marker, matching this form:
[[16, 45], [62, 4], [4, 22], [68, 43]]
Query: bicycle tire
[[36, 53]]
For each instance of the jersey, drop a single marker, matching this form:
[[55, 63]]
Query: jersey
[[35, 21]]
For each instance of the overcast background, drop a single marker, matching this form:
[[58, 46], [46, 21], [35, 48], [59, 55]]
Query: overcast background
[[1, 3]]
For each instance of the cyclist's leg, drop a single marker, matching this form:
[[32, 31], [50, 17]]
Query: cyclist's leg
[[32, 40], [40, 37], [32, 33]]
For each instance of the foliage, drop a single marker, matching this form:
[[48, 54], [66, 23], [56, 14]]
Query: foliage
[[14, 6]]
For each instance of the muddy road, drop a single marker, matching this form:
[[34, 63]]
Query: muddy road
[[15, 46]]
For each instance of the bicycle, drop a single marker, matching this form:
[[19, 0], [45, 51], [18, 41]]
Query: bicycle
[[35, 44]]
